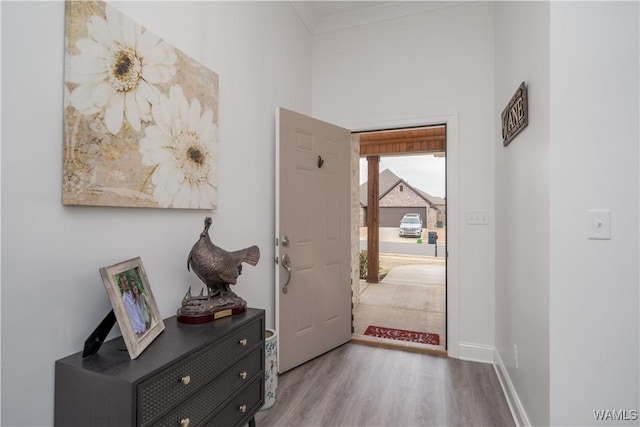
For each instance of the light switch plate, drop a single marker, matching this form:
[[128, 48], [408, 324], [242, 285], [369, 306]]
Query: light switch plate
[[478, 217], [599, 224]]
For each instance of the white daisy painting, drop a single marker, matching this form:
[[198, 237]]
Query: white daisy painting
[[140, 116]]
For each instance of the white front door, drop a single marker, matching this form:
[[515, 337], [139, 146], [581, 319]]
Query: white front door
[[313, 295]]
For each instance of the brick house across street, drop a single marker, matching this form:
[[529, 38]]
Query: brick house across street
[[397, 198]]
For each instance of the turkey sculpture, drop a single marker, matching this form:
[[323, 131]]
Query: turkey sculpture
[[218, 269]]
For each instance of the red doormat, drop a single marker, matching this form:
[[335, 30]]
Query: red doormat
[[403, 335]]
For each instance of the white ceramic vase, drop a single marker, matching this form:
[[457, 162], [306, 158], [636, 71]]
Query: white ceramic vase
[[270, 368]]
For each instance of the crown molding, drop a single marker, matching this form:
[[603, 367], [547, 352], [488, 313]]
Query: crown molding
[[306, 14], [368, 15]]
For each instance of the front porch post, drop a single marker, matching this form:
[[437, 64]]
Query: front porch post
[[373, 220]]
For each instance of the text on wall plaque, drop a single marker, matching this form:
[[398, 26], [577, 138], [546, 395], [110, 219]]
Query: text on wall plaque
[[515, 116]]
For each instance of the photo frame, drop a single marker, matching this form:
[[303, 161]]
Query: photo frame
[[133, 304]]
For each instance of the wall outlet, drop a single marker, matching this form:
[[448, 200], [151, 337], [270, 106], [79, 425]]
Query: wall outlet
[[515, 355]]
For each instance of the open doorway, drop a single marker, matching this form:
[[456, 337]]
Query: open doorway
[[403, 301]]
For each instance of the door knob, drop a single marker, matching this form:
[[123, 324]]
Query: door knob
[[285, 240]]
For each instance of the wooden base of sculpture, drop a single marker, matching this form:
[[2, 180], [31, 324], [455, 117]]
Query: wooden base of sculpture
[[202, 309], [217, 313]]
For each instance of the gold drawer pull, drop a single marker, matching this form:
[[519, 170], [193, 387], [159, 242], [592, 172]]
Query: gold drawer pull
[[243, 342], [184, 422], [243, 375], [186, 380], [243, 408]]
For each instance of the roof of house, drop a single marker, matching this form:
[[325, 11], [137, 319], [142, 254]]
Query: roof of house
[[433, 199], [387, 180]]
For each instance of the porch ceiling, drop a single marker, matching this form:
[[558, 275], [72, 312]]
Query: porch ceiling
[[427, 140]]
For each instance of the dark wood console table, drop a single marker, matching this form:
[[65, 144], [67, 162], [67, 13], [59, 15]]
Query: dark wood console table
[[209, 374]]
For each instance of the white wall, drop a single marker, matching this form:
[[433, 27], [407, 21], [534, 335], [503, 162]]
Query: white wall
[[522, 207], [52, 294], [420, 66], [593, 164]]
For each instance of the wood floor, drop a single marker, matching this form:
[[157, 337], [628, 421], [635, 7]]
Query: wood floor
[[360, 385]]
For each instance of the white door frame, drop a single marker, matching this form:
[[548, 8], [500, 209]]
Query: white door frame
[[453, 209]]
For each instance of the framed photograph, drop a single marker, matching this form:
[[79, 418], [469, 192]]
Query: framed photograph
[[133, 304]]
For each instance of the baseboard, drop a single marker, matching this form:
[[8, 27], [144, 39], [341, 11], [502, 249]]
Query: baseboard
[[517, 410], [475, 352]]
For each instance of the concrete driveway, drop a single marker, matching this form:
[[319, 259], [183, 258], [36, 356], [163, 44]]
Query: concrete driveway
[[418, 275]]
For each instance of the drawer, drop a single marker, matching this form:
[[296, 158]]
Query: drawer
[[170, 386], [241, 407], [208, 399]]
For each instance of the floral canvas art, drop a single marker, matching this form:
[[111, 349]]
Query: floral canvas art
[[140, 116]]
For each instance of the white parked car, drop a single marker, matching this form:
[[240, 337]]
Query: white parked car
[[411, 225]]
